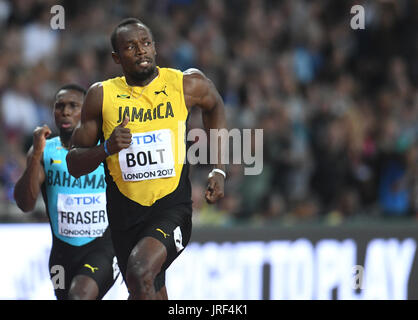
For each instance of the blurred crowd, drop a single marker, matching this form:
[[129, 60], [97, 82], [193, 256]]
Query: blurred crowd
[[338, 107]]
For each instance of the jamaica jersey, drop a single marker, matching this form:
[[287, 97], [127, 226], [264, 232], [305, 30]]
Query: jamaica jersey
[[76, 207], [151, 167]]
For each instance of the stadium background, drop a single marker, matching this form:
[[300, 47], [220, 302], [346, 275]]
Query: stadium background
[[338, 108]]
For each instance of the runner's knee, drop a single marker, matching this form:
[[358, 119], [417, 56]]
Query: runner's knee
[[140, 278], [79, 294], [83, 288]]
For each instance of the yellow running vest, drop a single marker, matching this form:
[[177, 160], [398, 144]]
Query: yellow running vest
[[151, 167]]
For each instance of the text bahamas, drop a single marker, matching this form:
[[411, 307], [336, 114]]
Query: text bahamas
[[64, 179]]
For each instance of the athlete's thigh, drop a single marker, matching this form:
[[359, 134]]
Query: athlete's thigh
[[83, 288], [172, 227], [99, 265], [146, 260]]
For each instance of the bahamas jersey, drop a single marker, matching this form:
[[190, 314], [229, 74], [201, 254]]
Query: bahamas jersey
[[76, 207], [151, 167]]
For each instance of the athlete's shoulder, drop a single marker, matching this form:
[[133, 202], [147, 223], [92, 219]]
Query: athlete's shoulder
[[94, 91], [195, 82], [97, 85], [94, 96], [193, 72], [195, 79]]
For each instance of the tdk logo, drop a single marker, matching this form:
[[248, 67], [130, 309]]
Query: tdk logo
[[86, 200], [146, 139]]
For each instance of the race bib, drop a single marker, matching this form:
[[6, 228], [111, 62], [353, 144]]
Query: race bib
[[150, 156], [82, 215]]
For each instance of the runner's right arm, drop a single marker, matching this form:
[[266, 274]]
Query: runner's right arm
[[28, 186], [85, 155]]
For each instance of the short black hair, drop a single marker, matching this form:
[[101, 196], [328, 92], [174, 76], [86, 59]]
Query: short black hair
[[123, 23], [72, 86]]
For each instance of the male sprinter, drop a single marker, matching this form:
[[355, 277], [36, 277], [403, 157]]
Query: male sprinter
[[76, 207], [140, 118]]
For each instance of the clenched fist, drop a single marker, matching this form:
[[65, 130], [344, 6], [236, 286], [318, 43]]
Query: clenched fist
[[39, 139], [215, 188], [120, 138]]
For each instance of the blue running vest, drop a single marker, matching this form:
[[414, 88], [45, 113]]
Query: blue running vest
[[76, 207]]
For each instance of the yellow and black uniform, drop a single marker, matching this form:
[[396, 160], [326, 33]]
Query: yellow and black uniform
[[149, 192]]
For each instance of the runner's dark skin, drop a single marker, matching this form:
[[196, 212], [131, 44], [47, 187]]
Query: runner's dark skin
[[136, 54]]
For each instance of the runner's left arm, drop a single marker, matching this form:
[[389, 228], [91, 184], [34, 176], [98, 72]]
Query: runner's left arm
[[28, 186], [199, 91]]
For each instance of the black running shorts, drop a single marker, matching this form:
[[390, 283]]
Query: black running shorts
[[95, 260], [171, 226], [168, 220]]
